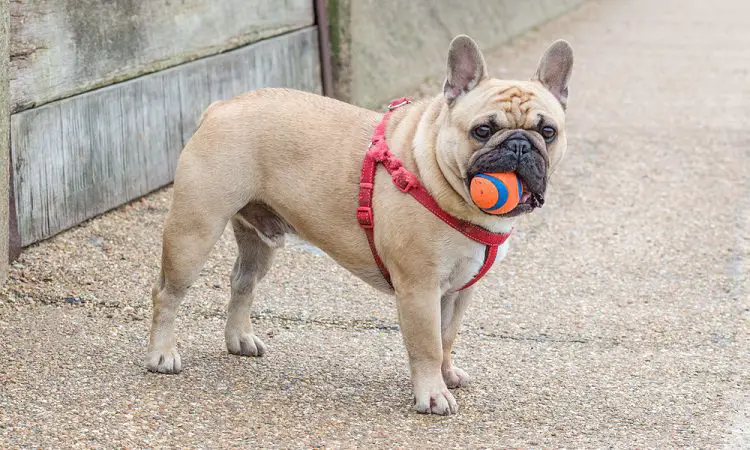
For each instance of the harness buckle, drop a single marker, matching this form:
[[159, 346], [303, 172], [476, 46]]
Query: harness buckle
[[398, 103], [364, 217], [403, 180]]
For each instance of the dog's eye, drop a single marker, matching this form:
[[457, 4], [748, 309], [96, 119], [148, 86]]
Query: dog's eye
[[549, 133], [482, 132]]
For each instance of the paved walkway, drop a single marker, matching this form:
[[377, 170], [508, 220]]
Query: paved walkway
[[619, 319]]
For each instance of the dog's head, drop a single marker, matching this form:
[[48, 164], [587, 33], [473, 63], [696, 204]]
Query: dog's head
[[493, 125]]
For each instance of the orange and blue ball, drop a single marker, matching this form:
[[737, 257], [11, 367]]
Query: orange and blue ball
[[496, 193]]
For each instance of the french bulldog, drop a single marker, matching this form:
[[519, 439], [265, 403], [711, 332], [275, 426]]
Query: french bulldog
[[279, 161]]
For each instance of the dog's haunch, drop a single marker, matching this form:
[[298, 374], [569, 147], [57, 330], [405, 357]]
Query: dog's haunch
[[496, 193]]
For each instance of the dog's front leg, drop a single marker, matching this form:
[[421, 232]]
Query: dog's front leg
[[419, 317], [453, 306]]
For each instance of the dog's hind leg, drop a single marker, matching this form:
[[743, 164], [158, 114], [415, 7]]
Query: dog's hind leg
[[258, 232], [201, 208], [188, 238]]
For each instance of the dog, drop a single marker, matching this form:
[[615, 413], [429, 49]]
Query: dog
[[278, 161]]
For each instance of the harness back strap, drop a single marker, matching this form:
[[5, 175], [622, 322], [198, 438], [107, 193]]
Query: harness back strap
[[407, 182]]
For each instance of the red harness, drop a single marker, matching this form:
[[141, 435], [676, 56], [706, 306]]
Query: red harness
[[407, 182]]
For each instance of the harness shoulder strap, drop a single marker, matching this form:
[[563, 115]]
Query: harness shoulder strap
[[407, 182]]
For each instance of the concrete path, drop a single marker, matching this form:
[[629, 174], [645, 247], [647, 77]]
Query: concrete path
[[619, 319]]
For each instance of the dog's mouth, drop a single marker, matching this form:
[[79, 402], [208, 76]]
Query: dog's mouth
[[529, 201], [519, 155]]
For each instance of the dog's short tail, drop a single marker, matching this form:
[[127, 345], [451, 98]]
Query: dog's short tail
[[205, 113]]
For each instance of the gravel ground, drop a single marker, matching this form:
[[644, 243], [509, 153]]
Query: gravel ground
[[620, 318]]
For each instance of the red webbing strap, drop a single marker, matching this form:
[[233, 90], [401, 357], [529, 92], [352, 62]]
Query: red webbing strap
[[489, 258], [364, 211], [407, 182]]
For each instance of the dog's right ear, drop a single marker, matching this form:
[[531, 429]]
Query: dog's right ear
[[466, 67], [555, 68]]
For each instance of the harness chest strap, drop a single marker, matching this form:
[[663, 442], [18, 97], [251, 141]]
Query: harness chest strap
[[407, 182]]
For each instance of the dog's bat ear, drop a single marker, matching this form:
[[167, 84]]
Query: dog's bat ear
[[466, 67], [555, 68]]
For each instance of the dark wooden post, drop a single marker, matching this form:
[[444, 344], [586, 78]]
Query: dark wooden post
[[4, 138]]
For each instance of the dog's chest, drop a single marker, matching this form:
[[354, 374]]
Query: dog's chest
[[465, 263]]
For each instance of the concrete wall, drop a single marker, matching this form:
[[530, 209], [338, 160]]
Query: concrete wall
[[385, 48]]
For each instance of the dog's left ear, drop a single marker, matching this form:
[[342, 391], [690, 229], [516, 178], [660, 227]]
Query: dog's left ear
[[466, 67], [555, 68]]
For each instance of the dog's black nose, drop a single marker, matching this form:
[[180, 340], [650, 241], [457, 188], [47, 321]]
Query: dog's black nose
[[518, 145]]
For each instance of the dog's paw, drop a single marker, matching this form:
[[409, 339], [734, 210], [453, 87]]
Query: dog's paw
[[455, 377], [435, 400], [164, 361], [244, 344]]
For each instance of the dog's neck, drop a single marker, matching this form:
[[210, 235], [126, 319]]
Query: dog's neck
[[412, 137]]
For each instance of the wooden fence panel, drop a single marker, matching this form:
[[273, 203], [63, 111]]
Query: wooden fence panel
[[64, 47], [77, 158]]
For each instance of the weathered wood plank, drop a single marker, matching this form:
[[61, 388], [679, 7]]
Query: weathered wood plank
[[6, 222], [63, 47], [79, 157]]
